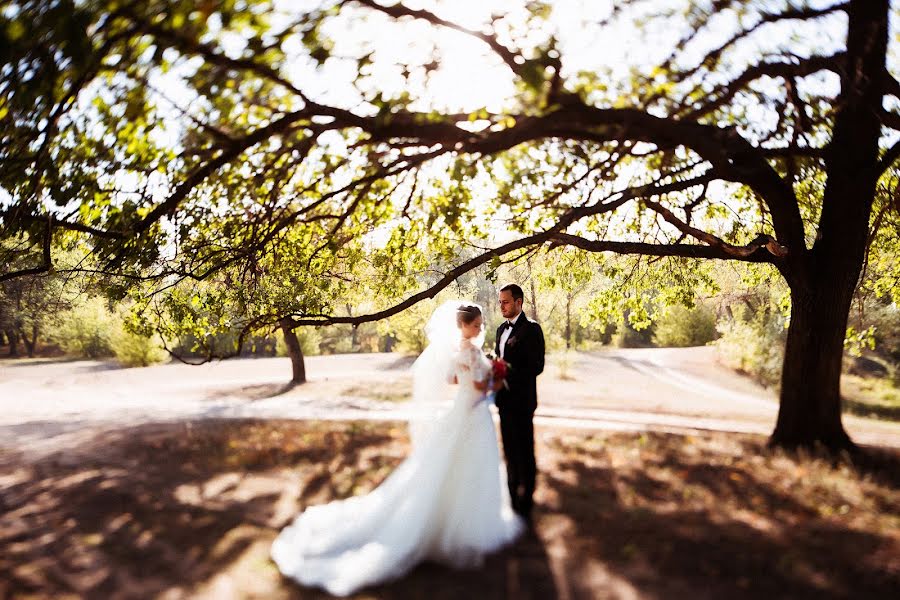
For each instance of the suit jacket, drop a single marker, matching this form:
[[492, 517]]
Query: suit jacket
[[525, 354]]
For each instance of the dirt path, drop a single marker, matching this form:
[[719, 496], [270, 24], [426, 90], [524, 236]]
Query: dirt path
[[172, 481], [46, 407]]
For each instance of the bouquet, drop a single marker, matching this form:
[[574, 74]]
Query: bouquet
[[499, 368]]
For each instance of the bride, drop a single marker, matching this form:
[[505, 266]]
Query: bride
[[447, 502]]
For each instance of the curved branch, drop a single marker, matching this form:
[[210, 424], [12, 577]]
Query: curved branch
[[190, 45], [46, 257], [512, 59], [889, 158], [455, 273], [698, 234], [754, 252], [63, 224], [226, 155], [432, 291], [785, 70], [712, 57]]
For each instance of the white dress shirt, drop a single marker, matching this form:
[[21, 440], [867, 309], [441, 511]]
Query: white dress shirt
[[506, 333]]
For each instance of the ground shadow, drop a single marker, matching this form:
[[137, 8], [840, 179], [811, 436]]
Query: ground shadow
[[521, 571], [883, 412], [168, 509], [254, 393], [763, 543], [400, 363], [109, 365], [147, 509]]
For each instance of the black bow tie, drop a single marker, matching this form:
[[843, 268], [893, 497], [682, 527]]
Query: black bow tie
[[505, 326]]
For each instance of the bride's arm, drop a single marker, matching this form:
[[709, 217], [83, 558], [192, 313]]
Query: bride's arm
[[480, 371]]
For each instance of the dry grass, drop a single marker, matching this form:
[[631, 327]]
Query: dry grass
[[190, 510], [872, 397]]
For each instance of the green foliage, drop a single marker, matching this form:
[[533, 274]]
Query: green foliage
[[87, 330], [136, 350], [407, 328], [626, 335], [309, 337], [681, 327], [753, 343]]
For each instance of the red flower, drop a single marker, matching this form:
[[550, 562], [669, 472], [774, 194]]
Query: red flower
[[500, 368]]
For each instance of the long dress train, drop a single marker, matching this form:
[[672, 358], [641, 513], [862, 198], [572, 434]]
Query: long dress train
[[447, 501]]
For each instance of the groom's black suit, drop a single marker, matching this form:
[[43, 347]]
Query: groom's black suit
[[517, 402]]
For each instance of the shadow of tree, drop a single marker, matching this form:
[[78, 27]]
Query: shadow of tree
[[177, 509], [167, 509], [143, 510], [253, 393], [884, 412], [685, 525]]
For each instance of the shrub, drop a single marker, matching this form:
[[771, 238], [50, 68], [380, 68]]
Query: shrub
[[626, 336], [681, 327], [136, 350], [754, 345], [309, 338], [86, 330]]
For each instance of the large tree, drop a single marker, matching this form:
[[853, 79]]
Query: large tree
[[741, 130]]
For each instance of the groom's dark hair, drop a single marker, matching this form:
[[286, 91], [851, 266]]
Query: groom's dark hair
[[515, 290]]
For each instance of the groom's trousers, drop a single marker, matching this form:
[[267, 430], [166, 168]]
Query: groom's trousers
[[517, 431]]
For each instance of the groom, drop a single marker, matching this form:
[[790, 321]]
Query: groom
[[520, 342]]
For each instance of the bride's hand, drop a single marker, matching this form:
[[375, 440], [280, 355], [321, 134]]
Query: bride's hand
[[480, 385]]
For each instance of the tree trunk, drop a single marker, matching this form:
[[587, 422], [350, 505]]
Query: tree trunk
[[568, 322], [29, 346], [809, 413], [298, 365], [13, 338], [823, 279], [31, 343]]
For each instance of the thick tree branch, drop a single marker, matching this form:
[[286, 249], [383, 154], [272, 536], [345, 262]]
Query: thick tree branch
[[433, 290], [711, 240], [754, 252]]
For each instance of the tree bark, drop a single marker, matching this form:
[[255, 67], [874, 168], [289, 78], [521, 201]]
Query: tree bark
[[810, 399], [13, 339], [823, 279], [295, 352], [30, 343]]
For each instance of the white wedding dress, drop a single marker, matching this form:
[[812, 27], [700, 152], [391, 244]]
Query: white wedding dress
[[447, 502]]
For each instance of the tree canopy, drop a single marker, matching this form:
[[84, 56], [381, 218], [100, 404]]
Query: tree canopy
[[260, 140]]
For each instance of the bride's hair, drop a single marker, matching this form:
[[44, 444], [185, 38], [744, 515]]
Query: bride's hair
[[466, 313]]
